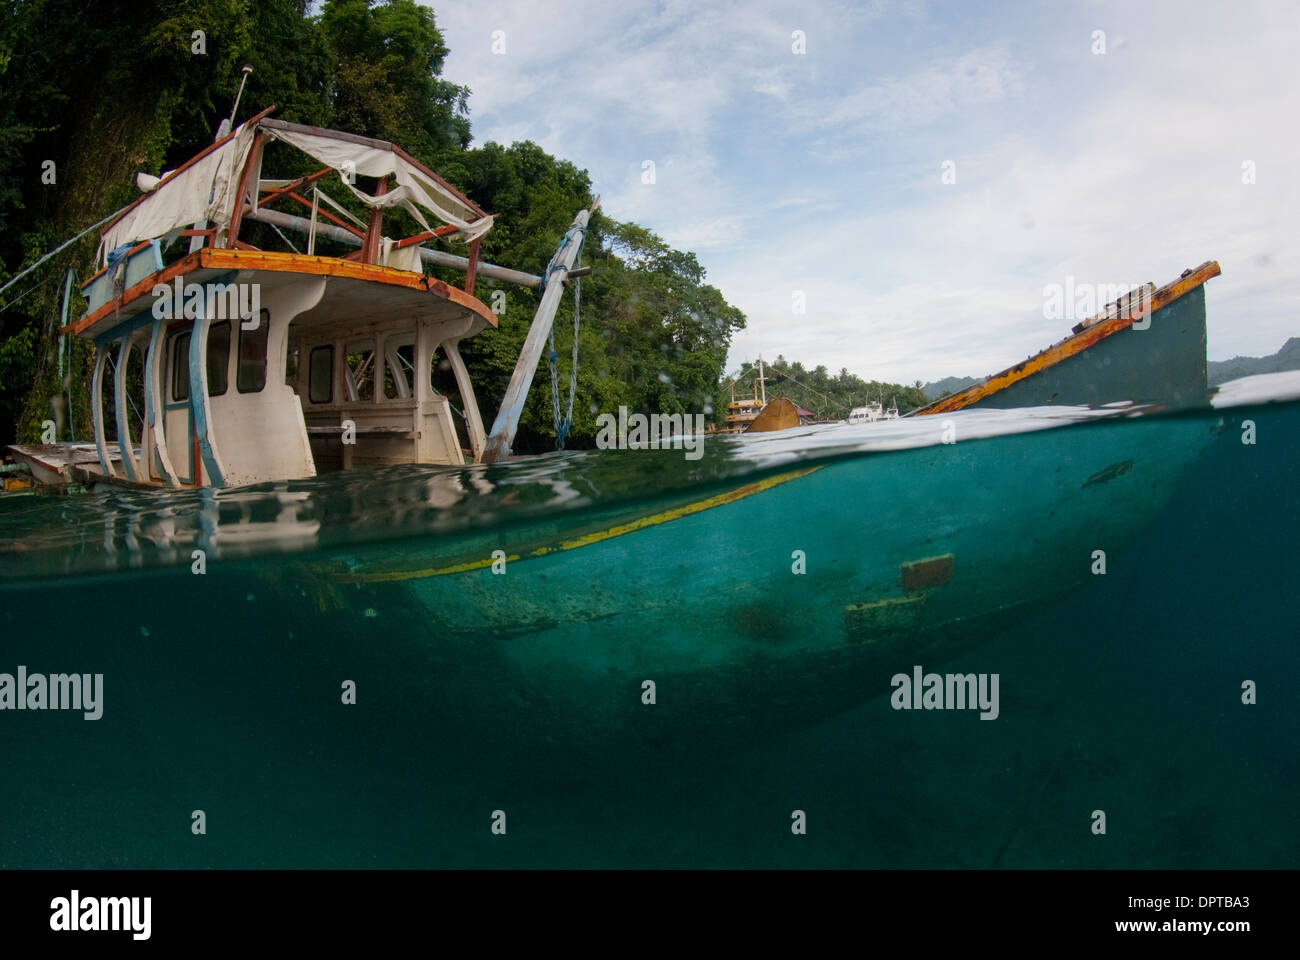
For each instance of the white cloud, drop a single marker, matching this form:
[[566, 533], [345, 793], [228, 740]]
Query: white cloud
[[822, 172]]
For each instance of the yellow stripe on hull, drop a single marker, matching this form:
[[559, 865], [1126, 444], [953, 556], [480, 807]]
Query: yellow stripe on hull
[[586, 540]]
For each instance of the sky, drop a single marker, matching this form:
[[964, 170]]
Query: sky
[[917, 174]]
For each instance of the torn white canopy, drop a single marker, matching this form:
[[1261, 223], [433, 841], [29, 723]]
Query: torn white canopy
[[415, 190], [204, 190]]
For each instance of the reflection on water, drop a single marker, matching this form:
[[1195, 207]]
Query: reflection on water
[[116, 528]]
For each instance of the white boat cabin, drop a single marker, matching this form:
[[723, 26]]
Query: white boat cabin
[[868, 414], [234, 365]]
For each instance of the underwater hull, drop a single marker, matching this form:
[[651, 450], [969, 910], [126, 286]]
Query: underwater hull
[[782, 601]]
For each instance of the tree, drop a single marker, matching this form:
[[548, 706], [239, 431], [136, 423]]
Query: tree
[[654, 335]]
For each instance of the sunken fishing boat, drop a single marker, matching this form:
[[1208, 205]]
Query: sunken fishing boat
[[752, 596]]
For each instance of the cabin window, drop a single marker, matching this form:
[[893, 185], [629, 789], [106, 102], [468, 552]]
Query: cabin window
[[291, 367], [320, 376], [398, 370], [218, 358], [441, 377], [251, 376], [359, 373], [181, 367]]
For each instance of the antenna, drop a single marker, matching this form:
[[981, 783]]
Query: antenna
[[228, 123], [245, 70], [223, 130]]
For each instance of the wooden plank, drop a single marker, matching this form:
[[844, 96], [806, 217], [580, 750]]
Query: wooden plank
[[1072, 345], [252, 163], [427, 235], [219, 258], [374, 226], [471, 270], [399, 432], [924, 574], [298, 184]]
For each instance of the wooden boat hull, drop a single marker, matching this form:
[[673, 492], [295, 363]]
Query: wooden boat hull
[[1151, 351], [907, 557], [1164, 363], [777, 414]]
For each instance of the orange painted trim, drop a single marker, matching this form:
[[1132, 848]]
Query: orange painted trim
[[216, 258], [1072, 345], [327, 215], [276, 193], [130, 294], [421, 237]]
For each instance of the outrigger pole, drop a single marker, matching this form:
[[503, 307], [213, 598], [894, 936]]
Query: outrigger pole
[[437, 258], [512, 404]]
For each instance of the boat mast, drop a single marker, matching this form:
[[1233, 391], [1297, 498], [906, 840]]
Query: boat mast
[[512, 404], [223, 130]]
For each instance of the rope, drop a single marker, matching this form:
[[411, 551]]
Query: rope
[[552, 267], [21, 296], [284, 238], [61, 246], [564, 424]]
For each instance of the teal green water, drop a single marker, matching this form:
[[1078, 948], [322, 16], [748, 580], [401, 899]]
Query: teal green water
[[521, 692]]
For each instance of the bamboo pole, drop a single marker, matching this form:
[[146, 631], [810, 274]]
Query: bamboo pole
[[512, 404]]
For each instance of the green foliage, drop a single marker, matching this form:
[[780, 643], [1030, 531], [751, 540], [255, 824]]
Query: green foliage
[[17, 369], [830, 397], [653, 335], [385, 75], [107, 89]]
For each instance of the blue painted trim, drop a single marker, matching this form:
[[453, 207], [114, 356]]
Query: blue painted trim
[[97, 410], [127, 327], [123, 410], [151, 384], [199, 394]]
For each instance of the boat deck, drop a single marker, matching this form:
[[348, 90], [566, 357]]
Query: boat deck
[[58, 464]]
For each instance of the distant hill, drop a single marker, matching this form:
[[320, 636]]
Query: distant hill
[[1288, 358], [1220, 371], [941, 388]]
